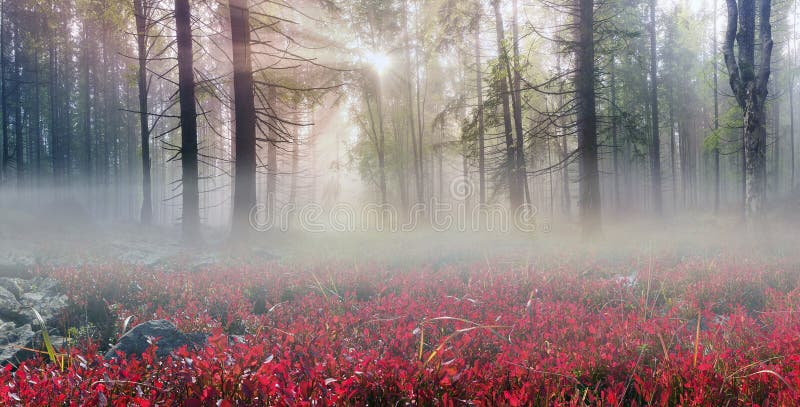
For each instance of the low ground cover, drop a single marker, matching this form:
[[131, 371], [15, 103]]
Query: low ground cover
[[647, 332]]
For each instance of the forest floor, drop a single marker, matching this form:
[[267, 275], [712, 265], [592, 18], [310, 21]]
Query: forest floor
[[687, 312], [694, 310]]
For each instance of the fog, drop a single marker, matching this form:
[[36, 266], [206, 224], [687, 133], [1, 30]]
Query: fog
[[399, 202], [59, 227]]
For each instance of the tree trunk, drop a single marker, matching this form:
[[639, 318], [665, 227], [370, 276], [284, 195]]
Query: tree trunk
[[36, 120], [776, 157], [481, 125], [190, 218], [410, 112], [655, 145], [673, 162], [420, 114], [3, 99], [295, 166], [791, 127], [565, 192], [244, 198], [272, 165], [587, 121], [66, 116], [750, 89], [615, 146], [87, 113], [381, 140], [19, 158], [791, 93], [54, 142], [521, 168], [142, 14], [716, 113], [272, 177], [103, 133], [515, 192]]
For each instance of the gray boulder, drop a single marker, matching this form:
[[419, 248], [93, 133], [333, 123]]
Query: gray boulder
[[46, 298], [10, 308], [19, 327], [12, 339], [16, 286], [160, 332]]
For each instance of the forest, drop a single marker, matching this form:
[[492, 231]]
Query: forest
[[194, 114], [399, 202]]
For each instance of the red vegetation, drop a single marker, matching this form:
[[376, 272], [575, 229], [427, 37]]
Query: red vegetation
[[569, 335]]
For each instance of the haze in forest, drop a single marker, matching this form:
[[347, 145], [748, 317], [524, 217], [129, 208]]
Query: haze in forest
[[397, 128]]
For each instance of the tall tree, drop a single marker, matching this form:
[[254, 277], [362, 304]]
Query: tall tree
[[19, 159], [244, 197], [516, 81], [515, 192], [587, 119], [3, 96], [36, 120], [749, 80], [793, 56], [655, 144], [142, 12], [716, 110], [416, 150], [86, 114], [614, 131], [479, 91], [190, 217]]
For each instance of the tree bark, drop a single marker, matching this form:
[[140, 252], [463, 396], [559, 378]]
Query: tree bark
[[776, 157], [19, 158], [716, 113], [587, 121], [272, 177], [515, 192], [66, 116], [673, 162], [381, 139], [750, 88], [55, 142], [481, 124], [190, 218], [420, 113], [791, 128], [791, 94], [142, 17], [614, 141], [244, 197], [410, 96], [3, 99], [521, 168], [564, 151], [295, 166], [655, 144], [36, 120], [87, 113]]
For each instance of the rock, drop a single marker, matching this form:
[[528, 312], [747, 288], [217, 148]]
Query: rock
[[16, 286], [162, 332], [19, 327], [10, 308], [45, 298], [12, 341]]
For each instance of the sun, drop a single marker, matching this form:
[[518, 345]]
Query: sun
[[378, 60]]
